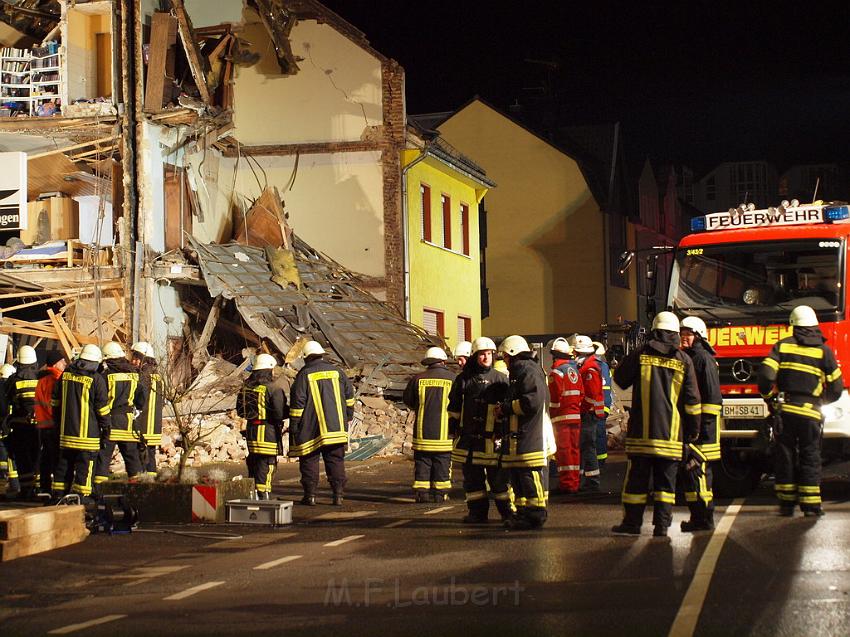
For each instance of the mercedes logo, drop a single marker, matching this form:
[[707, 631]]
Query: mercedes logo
[[742, 370]]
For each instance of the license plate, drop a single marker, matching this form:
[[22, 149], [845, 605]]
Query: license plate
[[753, 410]]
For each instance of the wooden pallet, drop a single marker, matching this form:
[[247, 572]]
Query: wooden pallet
[[35, 530]]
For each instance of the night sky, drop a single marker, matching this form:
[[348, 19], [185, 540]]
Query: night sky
[[690, 81]]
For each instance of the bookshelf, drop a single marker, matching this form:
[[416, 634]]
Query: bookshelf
[[30, 77], [15, 77]]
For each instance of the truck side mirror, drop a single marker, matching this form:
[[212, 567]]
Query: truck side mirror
[[651, 270], [625, 261]]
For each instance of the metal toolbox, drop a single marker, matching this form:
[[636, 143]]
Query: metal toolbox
[[271, 512]]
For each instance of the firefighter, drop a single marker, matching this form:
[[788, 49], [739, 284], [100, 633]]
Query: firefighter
[[23, 439], [608, 395], [81, 413], [592, 409], [665, 414], [523, 445], [263, 406], [55, 364], [472, 420], [427, 394], [150, 389], [463, 351], [699, 455], [800, 374], [321, 406], [122, 380], [566, 394], [6, 371]]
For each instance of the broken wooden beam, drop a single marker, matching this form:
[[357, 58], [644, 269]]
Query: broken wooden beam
[[264, 225], [193, 51], [163, 38], [29, 531], [200, 355]]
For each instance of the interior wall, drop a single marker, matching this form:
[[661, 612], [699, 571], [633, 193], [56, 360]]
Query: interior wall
[[81, 52], [205, 13]]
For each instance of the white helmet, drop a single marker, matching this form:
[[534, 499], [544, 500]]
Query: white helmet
[[433, 355], [113, 350], [464, 348], [264, 361], [561, 346], [312, 348], [144, 348], [482, 344], [666, 321], [600, 348], [514, 345], [583, 345], [696, 325], [801, 316], [26, 355], [91, 353], [7, 370]]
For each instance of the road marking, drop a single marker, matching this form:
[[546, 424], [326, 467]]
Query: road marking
[[350, 538], [392, 525], [439, 510], [401, 499], [686, 619], [191, 591], [343, 515], [253, 541], [72, 628], [273, 563]]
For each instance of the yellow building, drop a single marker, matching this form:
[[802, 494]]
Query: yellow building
[[550, 247], [442, 191]]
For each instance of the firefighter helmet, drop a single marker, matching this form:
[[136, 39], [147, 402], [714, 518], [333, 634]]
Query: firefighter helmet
[[561, 346], [91, 353], [464, 348], [666, 321], [583, 345], [312, 348], [264, 361], [144, 348], [600, 348], [801, 316], [113, 350], [696, 325], [434, 355], [26, 355], [7, 370], [514, 345], [482, 344]]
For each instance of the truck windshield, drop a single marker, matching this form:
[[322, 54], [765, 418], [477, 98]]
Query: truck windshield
[[761, 280]]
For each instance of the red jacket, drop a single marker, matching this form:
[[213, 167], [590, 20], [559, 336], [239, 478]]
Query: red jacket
[[43, 396], [594, 395], [566, 393]]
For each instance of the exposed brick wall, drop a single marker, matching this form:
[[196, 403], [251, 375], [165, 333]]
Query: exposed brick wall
[[392, 80]]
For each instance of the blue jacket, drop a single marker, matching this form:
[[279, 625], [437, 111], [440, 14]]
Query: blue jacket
[[606, 383]]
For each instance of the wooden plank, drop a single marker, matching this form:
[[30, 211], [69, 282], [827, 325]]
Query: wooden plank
[[193, 52], [51, 299], [66, 149], [40, 542], [163, 37], [66, 346], [72, 339], [264, 223], [200, 355], [17, 523]]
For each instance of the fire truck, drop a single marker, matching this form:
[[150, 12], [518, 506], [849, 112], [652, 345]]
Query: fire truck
[[742, 271]]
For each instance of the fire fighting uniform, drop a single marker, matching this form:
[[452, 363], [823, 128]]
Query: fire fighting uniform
[[608, 397], [321, 406], [523, 445], [264, 407], [47, 429], [665, 413], [149, 421], [427, 394], [122, 380], [81, 412], [23, 440], [5, 469], [803, 370], [706, 448], [472, 419], [566, 393], [592, 411]]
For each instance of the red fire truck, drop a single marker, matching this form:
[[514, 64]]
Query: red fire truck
[[742, 271]]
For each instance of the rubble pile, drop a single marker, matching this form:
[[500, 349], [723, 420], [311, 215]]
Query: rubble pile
[[374, 416]]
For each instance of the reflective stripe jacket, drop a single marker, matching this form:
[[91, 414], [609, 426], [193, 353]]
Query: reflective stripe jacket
[[321, 405], [80, 406], [427, 394], [607, 391], [566, 393], [150, 396], [525, 404], [472, 414], [122, 380], [44, 397], [21, 394], [4, 407], [264, 406], [665, 399], [804, 369], [708, 379], [594, 395]]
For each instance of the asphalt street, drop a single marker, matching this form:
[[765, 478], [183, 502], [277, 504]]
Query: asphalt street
[[381, 565]]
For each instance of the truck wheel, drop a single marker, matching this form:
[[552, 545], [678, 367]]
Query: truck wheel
[[736, 474]]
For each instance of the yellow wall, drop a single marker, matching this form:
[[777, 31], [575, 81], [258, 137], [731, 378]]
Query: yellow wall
[[81, 48], [442, 279], [546, 246]]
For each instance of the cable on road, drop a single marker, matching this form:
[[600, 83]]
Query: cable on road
[[203, 535]]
